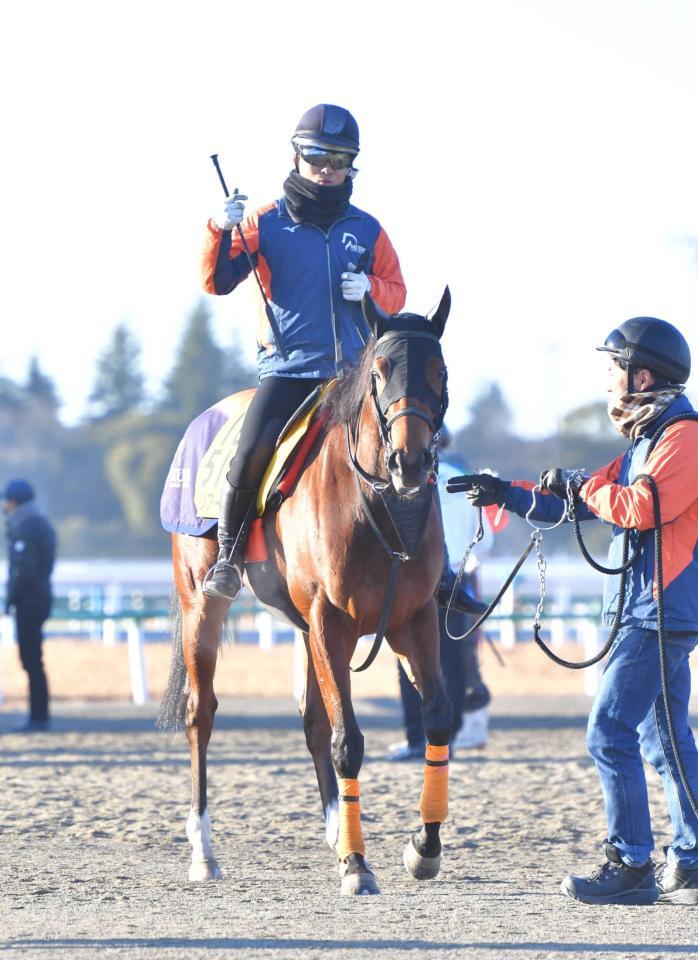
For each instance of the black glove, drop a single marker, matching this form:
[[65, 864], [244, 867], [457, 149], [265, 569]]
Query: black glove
[[556, 480], [482, 489]]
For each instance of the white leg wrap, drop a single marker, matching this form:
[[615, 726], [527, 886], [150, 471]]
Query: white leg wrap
[[332, 824], [199, 834]]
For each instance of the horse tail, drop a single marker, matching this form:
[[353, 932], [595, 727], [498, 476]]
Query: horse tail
[[171, 713]]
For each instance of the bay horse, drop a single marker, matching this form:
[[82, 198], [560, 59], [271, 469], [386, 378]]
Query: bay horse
[[332, 545]]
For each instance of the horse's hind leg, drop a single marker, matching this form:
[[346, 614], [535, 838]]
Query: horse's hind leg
[[318, 734], [202, 621], [332, 640], [420, 642]]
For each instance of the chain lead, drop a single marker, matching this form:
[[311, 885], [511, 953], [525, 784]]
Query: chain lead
[[542, 565]]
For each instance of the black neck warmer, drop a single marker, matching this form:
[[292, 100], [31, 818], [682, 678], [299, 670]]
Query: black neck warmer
[[309, 202]]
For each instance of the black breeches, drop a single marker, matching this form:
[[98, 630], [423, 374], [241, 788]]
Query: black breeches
[[275, 401], [30, 621]]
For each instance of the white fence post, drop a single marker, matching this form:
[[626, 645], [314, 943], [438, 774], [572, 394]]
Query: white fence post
[[266, 630], [507, 628], [136, 661]]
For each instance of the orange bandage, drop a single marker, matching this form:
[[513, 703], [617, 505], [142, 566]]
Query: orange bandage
[[433, 804], [351, 838]]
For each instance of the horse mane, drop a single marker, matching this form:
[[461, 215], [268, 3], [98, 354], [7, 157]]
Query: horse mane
[[342, 402]]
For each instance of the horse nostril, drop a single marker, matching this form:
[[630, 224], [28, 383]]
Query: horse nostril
[[427, 460], [395, 462]]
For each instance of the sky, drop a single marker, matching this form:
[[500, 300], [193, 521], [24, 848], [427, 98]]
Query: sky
[[539, 156]]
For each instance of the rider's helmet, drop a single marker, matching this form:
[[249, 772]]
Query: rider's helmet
[[327, 127], [651, 343]]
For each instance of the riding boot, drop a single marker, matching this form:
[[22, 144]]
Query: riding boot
[[224, 579]]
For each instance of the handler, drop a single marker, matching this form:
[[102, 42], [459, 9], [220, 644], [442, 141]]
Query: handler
[[317, 255], [649, 363]]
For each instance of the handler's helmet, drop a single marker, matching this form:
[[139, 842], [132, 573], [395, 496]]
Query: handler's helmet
[[651, 343], [19, 491], [328, 127]]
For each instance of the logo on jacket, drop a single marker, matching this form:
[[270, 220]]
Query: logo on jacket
[[292, 229], [351, 244], [19, 546]]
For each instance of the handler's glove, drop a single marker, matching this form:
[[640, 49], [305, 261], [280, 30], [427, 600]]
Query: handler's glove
[[355, 285], [557, 480], [232, 213], [482, 489]]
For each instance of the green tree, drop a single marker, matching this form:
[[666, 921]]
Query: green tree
[[197, 379], [40, 388], [119, 384]]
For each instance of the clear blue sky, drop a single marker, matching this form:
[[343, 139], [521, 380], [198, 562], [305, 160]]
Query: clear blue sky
[[540, 157]]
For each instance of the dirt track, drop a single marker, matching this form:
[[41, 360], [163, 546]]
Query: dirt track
[[95, 857]]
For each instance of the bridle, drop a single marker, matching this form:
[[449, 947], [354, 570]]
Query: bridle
[[378, 484], [386, 399]]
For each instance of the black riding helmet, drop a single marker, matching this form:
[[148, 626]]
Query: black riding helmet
[[329, 127], [651, 343]]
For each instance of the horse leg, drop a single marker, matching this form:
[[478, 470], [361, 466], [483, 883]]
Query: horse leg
[[316, 726], [332, 639], [419, 641], [202, 623]]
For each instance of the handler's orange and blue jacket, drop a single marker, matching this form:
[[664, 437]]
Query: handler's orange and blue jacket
[[300, 267], [613, 494]]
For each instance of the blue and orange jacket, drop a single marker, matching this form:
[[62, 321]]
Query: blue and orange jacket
[[300, 267], [613, 495]]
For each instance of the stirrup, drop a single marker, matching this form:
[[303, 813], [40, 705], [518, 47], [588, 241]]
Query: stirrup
[[223, 580]]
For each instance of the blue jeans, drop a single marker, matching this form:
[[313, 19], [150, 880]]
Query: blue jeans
[[628, 723]]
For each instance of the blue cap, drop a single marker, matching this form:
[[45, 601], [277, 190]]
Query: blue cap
[[18, 490]]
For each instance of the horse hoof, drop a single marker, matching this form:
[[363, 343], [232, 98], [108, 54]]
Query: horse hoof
[[357, 879], [359, 885], [419, 867], [204, 870]]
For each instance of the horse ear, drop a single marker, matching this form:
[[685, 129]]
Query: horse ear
[[438, 317], [376, 318]]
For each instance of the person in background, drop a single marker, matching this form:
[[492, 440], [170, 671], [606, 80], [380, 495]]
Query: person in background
[[31, 555], [460, 662]]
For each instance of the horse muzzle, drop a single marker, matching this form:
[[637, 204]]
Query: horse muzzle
[[409, 474]]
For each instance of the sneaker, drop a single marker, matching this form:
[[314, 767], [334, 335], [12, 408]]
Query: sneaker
[[677, 884], [223, 581], [473, 734], [405, 751], [614, 882]]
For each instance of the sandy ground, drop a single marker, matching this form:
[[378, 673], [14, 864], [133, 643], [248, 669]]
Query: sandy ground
[[94, 855]]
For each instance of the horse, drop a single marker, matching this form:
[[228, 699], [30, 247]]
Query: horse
[[332, 547]]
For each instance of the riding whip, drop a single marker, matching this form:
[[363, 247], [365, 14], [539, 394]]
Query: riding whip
[[267, 306]]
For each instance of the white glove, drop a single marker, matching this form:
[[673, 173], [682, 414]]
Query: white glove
[[233, 212], [355, 285]]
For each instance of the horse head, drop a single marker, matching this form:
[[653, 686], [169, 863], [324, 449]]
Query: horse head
[[409, 389]]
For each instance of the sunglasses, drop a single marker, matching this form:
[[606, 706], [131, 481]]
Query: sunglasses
[[322, 158]]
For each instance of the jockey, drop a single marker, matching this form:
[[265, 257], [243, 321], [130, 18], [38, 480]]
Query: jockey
[[649, 363], [316, 255]]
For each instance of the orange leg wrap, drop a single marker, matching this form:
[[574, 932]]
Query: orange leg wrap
[[433, 804], [351, 838]]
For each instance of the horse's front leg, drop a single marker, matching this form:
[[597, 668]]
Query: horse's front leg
[[332, 639], [419, 643], [318, 733]]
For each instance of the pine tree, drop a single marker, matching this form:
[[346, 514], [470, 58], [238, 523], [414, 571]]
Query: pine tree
[[119, 384], [40, 388], [197, 379]]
